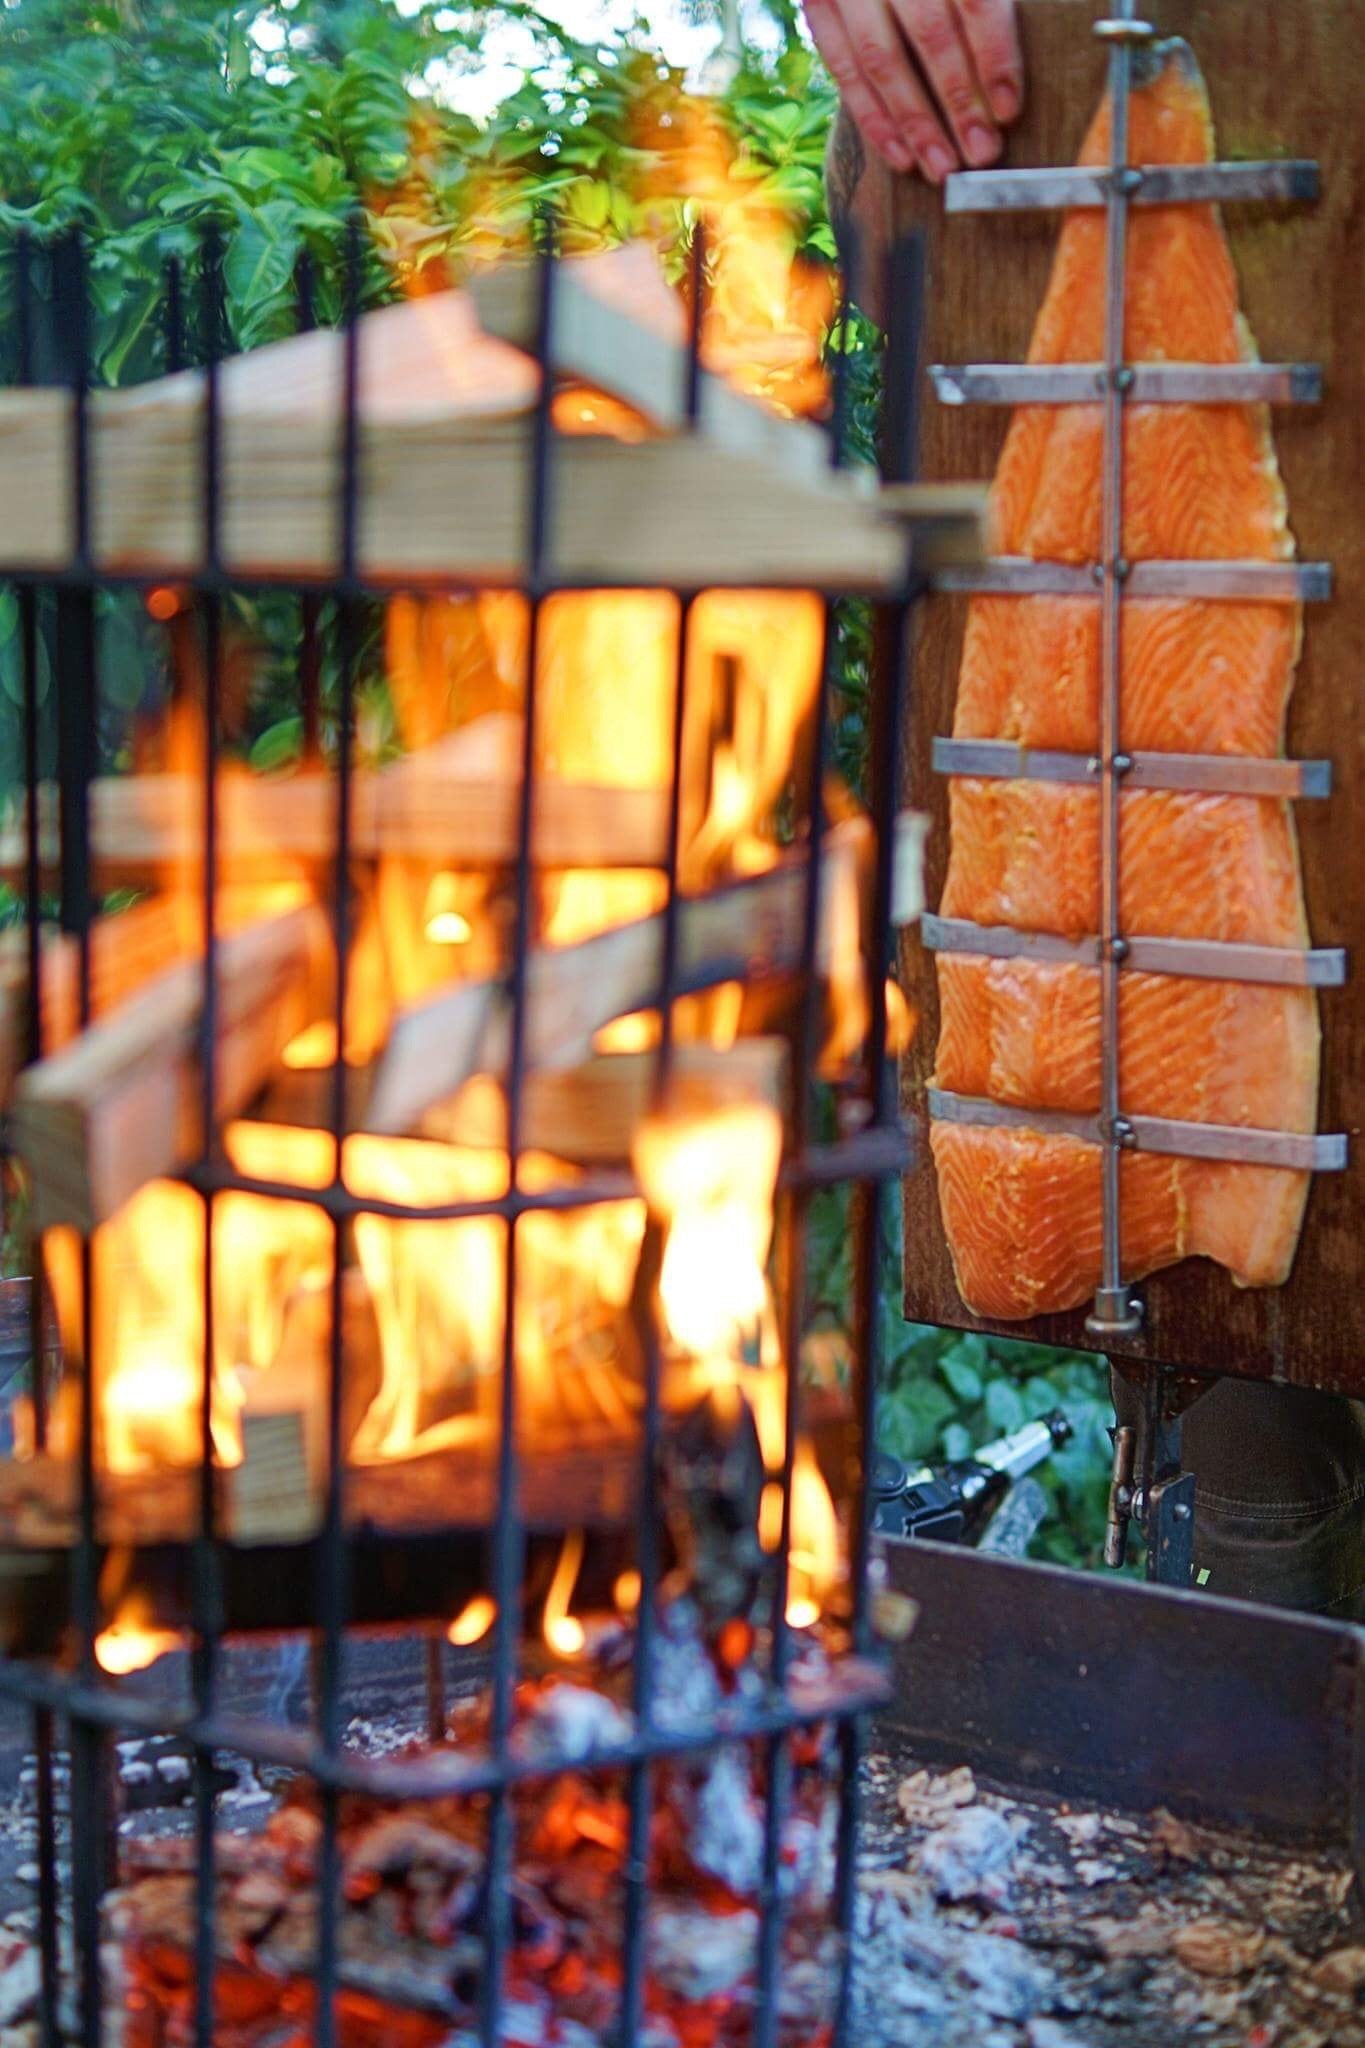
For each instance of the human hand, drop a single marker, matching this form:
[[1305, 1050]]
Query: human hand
[[892, 59]]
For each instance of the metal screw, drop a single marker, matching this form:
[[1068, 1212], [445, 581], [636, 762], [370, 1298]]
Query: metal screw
[[1124, 378], [1118, 949], [1110, 30], [1122, 764], [1128, 180], [1123, 569]]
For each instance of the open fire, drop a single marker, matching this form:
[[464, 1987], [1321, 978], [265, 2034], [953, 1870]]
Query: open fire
[[374, 1273]]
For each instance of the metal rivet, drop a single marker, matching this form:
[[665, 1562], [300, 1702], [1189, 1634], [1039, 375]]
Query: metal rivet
[[1097, 572], [1128, 180], [1118, 949], [1123, 569], [1094, 766], [1181, 1511], [1123, 764], [1110, 30], [1124, 378]]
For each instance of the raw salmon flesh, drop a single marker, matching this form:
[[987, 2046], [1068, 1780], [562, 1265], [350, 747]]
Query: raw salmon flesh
[[1021, 1208]]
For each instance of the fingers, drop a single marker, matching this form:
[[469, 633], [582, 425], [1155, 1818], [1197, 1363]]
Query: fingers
[[932, 29], [867, 57], [992, 33], [858, 42]]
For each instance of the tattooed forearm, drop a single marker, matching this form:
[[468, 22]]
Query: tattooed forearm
[[845, 163]]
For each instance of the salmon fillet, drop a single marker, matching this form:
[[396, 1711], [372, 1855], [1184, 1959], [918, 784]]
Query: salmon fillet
[[1021, 1208]]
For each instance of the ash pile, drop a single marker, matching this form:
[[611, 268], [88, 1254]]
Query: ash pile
[[988, 1921]]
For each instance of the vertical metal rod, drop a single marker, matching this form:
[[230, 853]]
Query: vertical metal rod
[[310, 604], [77, 710], [890, 666], [206, 1603], [508, 1535], [640, 1777], [33, 873], [50, 1984], [1114, 1313], [838, 411], [696, 314], [333, 1572], [436, 1685], [777, 1772]]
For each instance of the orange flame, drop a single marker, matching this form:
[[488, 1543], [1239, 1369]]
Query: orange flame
[[712, 1178], [564, 1632]]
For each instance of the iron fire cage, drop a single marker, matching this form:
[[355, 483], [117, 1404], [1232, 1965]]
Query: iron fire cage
[[63, 602]]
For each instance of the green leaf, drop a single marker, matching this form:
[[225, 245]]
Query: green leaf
[[279, 746], [261, 256], [961, 1374], [1004, 1409]]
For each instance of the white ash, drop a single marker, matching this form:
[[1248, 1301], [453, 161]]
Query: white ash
[[971, 1856], [699, 1954], [572, 1722]]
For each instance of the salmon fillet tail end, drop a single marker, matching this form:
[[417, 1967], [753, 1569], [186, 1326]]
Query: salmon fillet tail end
[[1021, 1208]]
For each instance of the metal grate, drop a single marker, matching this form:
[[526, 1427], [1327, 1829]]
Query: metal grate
[[79, 1701]]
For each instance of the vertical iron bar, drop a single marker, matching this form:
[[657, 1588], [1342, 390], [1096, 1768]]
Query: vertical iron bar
[[1115, 1310], [310, 605], [46, 1805], [206, 1602], [77, 711], [508, 1535], [778, 1747], [848, 295], [333, 1588], [696, 313], [905, 296], [640, 1777]]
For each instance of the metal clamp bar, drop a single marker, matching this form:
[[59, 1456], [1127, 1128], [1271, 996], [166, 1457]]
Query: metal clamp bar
[[1172, 1137], [1193, 959], [1015, 191], [1258, 582], [1210, 774], [1145, 383], [1221, 960]]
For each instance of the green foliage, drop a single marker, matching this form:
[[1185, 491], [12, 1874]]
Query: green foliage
[[142, 120]]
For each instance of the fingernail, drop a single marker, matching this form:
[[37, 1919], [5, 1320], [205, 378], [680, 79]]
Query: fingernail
[[1004, 101], [903, 159], [937, 164], [980, 143]]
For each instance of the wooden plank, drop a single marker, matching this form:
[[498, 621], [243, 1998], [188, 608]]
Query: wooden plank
[[440, 497], [619, 326], [424, 807], [126, 946], [119, 1106], [1283, 81], [587, 1113], [744, 930]]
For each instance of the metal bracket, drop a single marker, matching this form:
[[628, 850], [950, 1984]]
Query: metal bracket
[[1015, 191], [1252, 582], [1146, 383], [1170, 1531], [1208, 774], [1173, 1137], [1195, 959]]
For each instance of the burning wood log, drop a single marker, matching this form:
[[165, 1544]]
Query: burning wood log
[[126, 947], [445, 456], [119, 1105], [619, 327], [445, 486], [428, 806], [587, 1114], [747, 928]]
